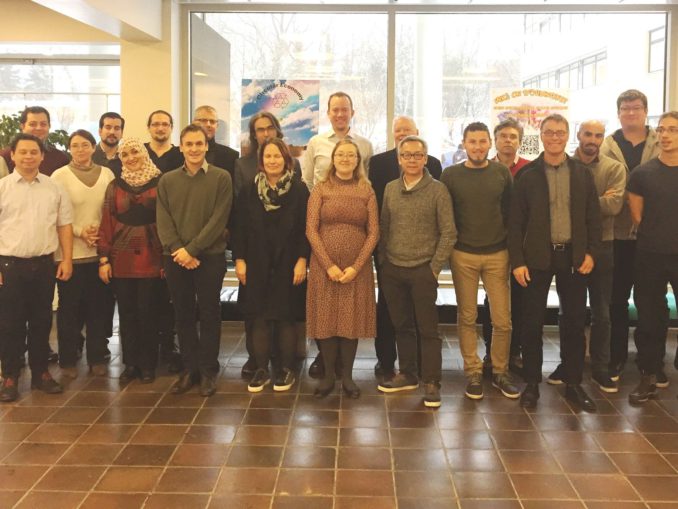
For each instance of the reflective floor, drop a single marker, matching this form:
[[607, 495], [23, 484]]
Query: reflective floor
[[100, 446]]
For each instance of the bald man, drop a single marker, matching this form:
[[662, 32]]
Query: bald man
[[384, 168], [610, 180]]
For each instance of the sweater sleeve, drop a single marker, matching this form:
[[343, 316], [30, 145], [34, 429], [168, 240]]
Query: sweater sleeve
[[611, 204], [217, 223], [384, 226], [372, 238], [107, 224], [167, 229], [447, 231], [313, 228]]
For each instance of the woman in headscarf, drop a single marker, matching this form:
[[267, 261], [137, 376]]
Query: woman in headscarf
[[270, 252], [130, 256], [83, 298]]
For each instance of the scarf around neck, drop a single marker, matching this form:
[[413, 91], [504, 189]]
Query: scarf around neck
[[148, 169], [271, 196]]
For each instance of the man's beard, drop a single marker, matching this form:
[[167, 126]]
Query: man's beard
[[106, 142]]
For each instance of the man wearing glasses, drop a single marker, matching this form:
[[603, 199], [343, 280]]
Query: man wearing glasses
[[635, 143], [221, 156], [481, 195], [417, 235], [554, 230], [652, 191], [166, 156]]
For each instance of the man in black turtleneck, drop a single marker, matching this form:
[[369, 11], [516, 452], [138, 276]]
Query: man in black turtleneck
[[218, 155]]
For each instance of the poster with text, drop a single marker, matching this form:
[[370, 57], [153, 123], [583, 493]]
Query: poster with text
[[294, 102], [529, 106]]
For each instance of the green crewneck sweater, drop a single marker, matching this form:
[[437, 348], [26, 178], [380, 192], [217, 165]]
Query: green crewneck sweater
[[481, 200], [193, 211]]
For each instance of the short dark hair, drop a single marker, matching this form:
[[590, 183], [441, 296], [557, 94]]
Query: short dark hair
[[254, 146], [414, 139], [669, 114], [284, 150], [509, 123], [148, 122], [83, 133], [26, 137], [112, 114], [339, 94], [631, 95], [476, 127], [555, 117], [35, 110], [192, 128]]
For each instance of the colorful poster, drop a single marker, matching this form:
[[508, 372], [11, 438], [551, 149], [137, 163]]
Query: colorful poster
[[529, 106], [294, 102]]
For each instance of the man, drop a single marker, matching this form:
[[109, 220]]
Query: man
[[111, 129], [508, 136], [384, 168], [166, 156], [218, 155], [481, 195], [35, 120], [29, 236], [318, 154], [554, 230], [635, 143], [194, 203], [610, 179], [417, 235], [652, 195]]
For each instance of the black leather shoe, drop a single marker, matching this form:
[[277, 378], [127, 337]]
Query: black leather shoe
[[577, 395], [208, 386], [317, 368], [184, 383], [147, 376], [129, 374], [530, 396], [45, 383], [9, 390], [52, 356], [646, 389]]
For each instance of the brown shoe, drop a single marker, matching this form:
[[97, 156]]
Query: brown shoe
[[46, 384], [8, 390]]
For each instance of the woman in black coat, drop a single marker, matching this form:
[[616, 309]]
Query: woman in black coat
[[271, 251]]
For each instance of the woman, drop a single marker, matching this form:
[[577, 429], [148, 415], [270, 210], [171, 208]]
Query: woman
[[83, 298], [343, 229], [270, 251], [130, 256]]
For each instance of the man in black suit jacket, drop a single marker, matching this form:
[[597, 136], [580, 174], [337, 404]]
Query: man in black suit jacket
[[554, 230], [384, 168], [218, 155]]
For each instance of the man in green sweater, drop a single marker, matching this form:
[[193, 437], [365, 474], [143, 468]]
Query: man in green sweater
[[194, 203], [481, 191], [417, 234]]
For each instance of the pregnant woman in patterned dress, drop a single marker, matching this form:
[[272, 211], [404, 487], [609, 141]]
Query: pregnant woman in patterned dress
[[343, 230]]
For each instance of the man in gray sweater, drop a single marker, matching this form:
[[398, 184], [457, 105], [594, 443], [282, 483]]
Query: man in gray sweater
[[194, 203], [417, 235]]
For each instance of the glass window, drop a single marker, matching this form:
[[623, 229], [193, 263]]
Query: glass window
[[657, 49]]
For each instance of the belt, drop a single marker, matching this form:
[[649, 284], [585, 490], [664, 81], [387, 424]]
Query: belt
[[560, 247], [30, 259]]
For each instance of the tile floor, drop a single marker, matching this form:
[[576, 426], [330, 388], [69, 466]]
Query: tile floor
[[100, 446]]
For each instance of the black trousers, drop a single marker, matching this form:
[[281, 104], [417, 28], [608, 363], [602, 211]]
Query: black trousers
[[385, 342], [26, 298], [166, 325], [411, 294], [622, 283], [571, 287], [652, 273], [279, 336], [516, 319], [138, 305], [191, 290], [83, 299]]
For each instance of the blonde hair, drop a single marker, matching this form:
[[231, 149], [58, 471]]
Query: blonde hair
[[359, 173]]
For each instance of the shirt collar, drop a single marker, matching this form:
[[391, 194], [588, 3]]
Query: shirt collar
[[204, 167], [18, 177], [577, 155], [331, 134]]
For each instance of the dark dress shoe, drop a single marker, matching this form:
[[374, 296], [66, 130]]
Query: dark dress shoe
[[184, 383], [321, 391], [129, 374], [147, 376], [530, 396], [249, 368], [52, 356], [577, 396], [208, 386], [317, 368], [9, 390], [46, 384]]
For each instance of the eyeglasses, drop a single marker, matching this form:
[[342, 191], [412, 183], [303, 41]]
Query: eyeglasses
[[557, 134], [345, 155], [629, 109], [670, 130], [209, 121], [160, 124], [418, 156]]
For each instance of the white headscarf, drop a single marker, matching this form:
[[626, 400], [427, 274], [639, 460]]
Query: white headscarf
[[148, 169]]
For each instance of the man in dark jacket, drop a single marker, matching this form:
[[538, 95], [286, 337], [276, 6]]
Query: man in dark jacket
[[221, 156], [554, 229]]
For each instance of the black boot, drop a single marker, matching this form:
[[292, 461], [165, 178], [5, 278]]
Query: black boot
[[348, 349], [328, 348]]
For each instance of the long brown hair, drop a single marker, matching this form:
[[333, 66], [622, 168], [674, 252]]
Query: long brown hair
[[359, 170], [284, 150]]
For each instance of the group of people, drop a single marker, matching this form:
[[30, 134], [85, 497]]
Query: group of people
[[148, 225]]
